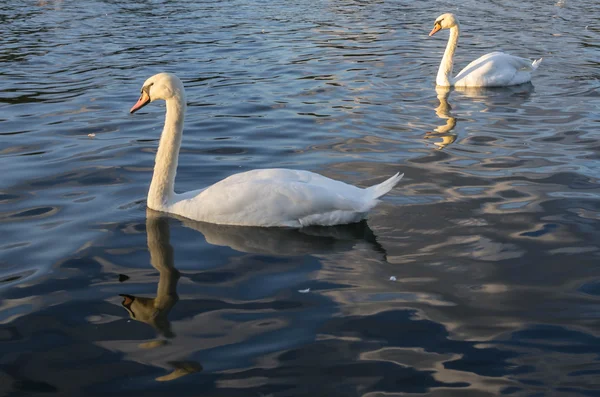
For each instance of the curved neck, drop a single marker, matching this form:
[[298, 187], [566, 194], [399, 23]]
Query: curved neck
[[444, 76], [165, 167]]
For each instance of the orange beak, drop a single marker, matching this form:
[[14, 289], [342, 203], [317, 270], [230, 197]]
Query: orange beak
[[143, 101], [435, 29]]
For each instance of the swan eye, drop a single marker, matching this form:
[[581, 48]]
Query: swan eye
[[146, 89]]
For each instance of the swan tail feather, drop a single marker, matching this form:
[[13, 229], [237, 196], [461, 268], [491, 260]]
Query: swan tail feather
[[536, 63], [379, 190]]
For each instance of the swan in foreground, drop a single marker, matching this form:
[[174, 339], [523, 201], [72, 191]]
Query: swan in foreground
[[266, 197], [495, 69]]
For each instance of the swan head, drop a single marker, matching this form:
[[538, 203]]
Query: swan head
[[444, 21], [160, 86]]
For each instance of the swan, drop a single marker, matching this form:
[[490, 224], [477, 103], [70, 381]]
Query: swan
[[495, 69], [264, 197]]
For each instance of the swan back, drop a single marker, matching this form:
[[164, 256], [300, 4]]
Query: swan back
[[496, 69], [280, 197]]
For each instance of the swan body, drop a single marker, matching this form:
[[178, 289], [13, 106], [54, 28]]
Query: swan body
[[495, 69], [265, 197]]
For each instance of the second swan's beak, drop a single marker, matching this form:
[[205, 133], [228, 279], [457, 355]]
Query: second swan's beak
[[143, 101], [435, 29]]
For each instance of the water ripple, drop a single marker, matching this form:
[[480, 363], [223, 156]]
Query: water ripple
[[478, 275]]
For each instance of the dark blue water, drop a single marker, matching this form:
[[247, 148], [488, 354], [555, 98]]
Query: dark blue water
[[479, 275]]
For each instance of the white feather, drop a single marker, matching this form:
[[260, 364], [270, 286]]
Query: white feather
[[266, 197], [495, 69]]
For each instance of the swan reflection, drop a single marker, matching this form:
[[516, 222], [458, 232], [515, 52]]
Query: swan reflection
[[497, 96], [356, 239], [313, 240], [443, 112], [155, 311], [498, 100]]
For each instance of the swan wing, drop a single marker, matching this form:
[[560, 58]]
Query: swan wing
[[494, 70], [276, 197]]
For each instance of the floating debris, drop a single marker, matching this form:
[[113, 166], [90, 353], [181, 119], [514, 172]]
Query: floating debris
[[393, 278], [304, 291], [92, 135]]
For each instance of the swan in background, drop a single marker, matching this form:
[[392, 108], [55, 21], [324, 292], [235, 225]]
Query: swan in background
[[266, 197], [495, 69], [443, 112]]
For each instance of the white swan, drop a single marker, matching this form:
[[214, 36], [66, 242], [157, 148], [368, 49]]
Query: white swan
[[495, 69], [266, 197]]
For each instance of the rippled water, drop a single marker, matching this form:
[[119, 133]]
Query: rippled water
[[478, 275]]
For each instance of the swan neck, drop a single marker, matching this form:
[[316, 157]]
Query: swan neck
[[444, 76], [165, 166]]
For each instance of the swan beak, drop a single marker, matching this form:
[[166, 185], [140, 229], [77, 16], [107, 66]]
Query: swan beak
[[435, 29], [143, 101]]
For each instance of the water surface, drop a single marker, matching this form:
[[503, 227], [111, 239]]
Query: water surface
[[478, 275]]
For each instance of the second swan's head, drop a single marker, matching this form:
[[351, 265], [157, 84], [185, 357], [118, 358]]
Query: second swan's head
[[444, 21], [160, 86]]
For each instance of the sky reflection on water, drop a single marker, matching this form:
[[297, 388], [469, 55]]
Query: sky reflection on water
[[491, 236]]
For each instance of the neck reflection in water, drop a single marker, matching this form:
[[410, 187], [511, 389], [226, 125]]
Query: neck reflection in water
[[443, 112], [497, 99], [155, 311]]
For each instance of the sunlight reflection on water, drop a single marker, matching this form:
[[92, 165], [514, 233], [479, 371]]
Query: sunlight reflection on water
[[492, 235]]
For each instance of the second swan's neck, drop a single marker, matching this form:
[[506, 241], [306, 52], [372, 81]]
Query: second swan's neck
[[444, 76], [165, 167]]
